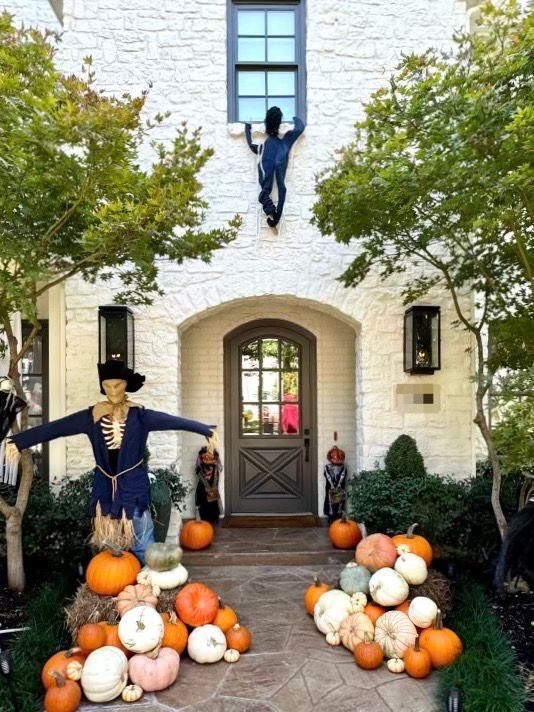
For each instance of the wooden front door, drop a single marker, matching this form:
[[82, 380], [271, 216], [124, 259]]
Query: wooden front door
[[270, 419]]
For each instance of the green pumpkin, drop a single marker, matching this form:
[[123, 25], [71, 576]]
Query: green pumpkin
[[163, 557], [354, 579]]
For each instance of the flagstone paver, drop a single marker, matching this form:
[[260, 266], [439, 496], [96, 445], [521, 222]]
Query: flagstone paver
[[289, 668]]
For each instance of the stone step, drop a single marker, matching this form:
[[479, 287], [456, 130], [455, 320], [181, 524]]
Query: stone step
[[266, 558]]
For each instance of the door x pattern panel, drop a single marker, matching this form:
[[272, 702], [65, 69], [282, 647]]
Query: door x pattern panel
[[271, 473]]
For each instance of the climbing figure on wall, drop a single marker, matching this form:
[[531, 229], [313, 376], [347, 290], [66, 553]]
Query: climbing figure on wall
[[273, 155], [118, 429]]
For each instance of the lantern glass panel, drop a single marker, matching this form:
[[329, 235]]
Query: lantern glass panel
[[408, 341], [435, 340], [423, 340]]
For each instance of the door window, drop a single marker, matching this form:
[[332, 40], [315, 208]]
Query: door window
[[270, 371]]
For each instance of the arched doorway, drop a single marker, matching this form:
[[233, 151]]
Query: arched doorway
[[270, 419]]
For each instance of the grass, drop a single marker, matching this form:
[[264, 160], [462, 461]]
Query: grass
[[22, 691], [486, 674]]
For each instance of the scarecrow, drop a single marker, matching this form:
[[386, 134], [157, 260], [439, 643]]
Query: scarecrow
[[273, 156], [208, 469], [335, 474], [118, 430]]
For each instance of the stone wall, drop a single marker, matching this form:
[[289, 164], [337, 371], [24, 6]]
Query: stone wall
[[351, 49]]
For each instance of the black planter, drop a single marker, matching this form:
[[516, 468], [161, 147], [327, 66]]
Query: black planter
[[161, 511]]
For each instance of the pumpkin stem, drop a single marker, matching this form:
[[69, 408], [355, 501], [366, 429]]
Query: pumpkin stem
[[438, 625], [416, 646], [409, 533], [316, 581], [221, 604], [367, 637], [60, 680], [72, 651], [173, 618], [363, 529], [197, 514]]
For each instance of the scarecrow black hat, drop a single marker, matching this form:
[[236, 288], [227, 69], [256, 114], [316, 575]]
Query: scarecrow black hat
[[117, 370]]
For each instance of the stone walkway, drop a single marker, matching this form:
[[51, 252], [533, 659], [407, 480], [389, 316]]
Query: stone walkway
[[289, 668]]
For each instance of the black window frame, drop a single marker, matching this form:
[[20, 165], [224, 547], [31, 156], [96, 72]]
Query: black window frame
[[299, 6]]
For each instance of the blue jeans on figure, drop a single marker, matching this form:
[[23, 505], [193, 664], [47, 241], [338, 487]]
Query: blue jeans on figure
[[144, 533]]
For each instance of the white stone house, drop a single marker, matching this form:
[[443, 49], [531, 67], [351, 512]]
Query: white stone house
[[336, 353]]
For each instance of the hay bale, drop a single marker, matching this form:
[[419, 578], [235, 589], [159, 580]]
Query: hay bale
[[438, 588], [90, 607]]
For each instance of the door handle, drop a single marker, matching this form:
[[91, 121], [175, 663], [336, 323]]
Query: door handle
[[306, 449]]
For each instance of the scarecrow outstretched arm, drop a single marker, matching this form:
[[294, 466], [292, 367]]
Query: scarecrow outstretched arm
[[298, 128], [74, 424], [248, 134], [155, 420]]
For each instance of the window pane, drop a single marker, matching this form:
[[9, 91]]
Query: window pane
[[32, 361], [281, 23], [281, 83], [251, 109], [33, 394], [250, 49], [251, 22], [250, 385], [270, 386], [290, 355], [290, 385], [280, 49], [269, 350], [290, 418], [251, 84], [285, 104], [270, 419], [250, 419], [250, 355]]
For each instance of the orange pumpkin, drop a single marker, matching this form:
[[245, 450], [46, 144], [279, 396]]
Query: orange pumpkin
[[90, 637], [110, 571], [112, 637], [418, 544], [58, 663], [196, 604], [442, 644], [344, 533], [403, 607], [374, 611], [138, 594], [313, 593], [376, 551], [417, 661], [239, 638], [368, 654], [197, 534], [64, 696], [225, 618], [175, 634]]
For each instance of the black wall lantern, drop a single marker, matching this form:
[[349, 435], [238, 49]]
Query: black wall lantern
[[116, 335], [422, 340]]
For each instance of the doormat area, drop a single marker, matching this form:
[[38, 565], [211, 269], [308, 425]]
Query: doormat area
[[260, 522]]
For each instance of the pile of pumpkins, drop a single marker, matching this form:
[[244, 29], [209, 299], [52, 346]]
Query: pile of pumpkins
[[140, 650], [370, 614]]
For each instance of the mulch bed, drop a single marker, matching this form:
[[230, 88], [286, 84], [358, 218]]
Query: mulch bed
[[516, 613], [12, 604]]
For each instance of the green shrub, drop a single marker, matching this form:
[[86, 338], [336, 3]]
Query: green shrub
[[169, 479], [403, 459], [21, 691], [486, 672], [454, 514]]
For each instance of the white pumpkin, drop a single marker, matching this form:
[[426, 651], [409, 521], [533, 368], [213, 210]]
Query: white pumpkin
[[132, 693], [412, 568], [232, 655], [206, 644], [388, 587], [358, 602], [141, 629], [395, 632], [331, 610], [395, 665], [104, 674], [163, 580], [333, 639], [422, 611]]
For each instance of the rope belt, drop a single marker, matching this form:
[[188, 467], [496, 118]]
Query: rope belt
[[113, 478]]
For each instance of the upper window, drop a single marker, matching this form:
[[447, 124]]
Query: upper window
[[266, 64]]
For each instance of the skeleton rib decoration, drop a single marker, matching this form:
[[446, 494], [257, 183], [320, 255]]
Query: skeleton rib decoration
[[273, 156], [118, 430]]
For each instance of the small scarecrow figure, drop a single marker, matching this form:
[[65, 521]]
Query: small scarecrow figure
[[118, 430], [335, 474], [208, 468], [10, 406], [273, 156]]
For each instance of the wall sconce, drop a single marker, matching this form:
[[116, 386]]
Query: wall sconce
[[116, 335], [422, 339]]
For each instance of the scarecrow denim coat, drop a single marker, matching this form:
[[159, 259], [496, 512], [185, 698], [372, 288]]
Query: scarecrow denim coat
[[133, 487]]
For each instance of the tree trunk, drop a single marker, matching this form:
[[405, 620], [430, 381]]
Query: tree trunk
[[16, 579]]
